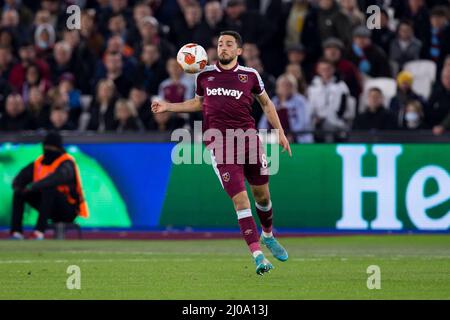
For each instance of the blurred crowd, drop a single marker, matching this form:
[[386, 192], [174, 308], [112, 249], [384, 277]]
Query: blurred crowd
[[329, 65]]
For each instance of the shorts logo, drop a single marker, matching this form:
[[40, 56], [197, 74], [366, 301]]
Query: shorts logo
[[243, 78], [226, 176]]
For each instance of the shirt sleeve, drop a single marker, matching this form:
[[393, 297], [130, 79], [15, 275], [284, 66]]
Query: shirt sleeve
[[258, 84], [198, 86]]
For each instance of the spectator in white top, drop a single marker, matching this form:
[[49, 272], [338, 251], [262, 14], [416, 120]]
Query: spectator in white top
[[332, 106], [293, 110]]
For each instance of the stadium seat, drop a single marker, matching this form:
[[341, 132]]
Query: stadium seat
[[60, 229], [387, 85], [424, 72]]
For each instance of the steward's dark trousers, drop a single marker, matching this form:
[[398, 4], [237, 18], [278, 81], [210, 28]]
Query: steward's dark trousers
[[50, 203]]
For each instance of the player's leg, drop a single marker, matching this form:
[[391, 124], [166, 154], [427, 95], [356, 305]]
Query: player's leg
[[263, 205], [249, 231]]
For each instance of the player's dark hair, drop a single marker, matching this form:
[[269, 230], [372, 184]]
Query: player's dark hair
[[235, 35]]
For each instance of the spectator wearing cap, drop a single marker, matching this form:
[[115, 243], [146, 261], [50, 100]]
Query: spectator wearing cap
[[149, 34], [376, 116], [211, 24], [438, 107], [151, 69], [44, 40], [27, 56], [437, 45], [368, 57], [16, 117], [333, 51], [383, 36], [404, 94], [405, 47], [297, 54]]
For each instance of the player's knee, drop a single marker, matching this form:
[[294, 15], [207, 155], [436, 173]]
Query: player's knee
[[241, 202], [262, 198]]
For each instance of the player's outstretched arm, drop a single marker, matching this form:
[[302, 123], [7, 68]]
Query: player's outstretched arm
[[191, 105], [272, 116]]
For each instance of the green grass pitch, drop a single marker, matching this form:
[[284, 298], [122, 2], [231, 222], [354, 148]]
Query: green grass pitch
[[412, 267]]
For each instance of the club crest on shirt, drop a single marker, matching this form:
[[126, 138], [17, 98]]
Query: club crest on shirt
[[226, 176], [243, 77]]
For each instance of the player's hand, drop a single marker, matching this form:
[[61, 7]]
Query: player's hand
[[284, 143], [159, 106]]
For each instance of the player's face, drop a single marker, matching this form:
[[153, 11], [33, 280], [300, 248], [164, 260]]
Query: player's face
[[227, 49]]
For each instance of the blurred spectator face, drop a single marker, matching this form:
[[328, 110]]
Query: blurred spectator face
[[118, 5], [285, 87], [27, 54], [32, 75], [348, 5], [87, 22], [115, 44], [405, 32], [72, 37], [65, 86], [250, 51], [213, 12], [59, 117], [42, 17], [173, 69], [141, 11], [415, 5], [212, 55], [384, 20], [296, 56], [105, 90], [445, 78], [295, 70], [138, 97], [10, 18], [325, 4], [51, 6], [36, 97], [116, 24], [256, 64], [362, 42], [332, 54], [325, 70], [14, 105], [5, 56], [148, 27], [234, 12], [438, 21], [150, 54], [62, 53], [193, 15], [413, 114], [44, 36], [113, 63], [374, 100], [123, 110], [6, 38]]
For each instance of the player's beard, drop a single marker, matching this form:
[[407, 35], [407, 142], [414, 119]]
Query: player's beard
[[225, 61]]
